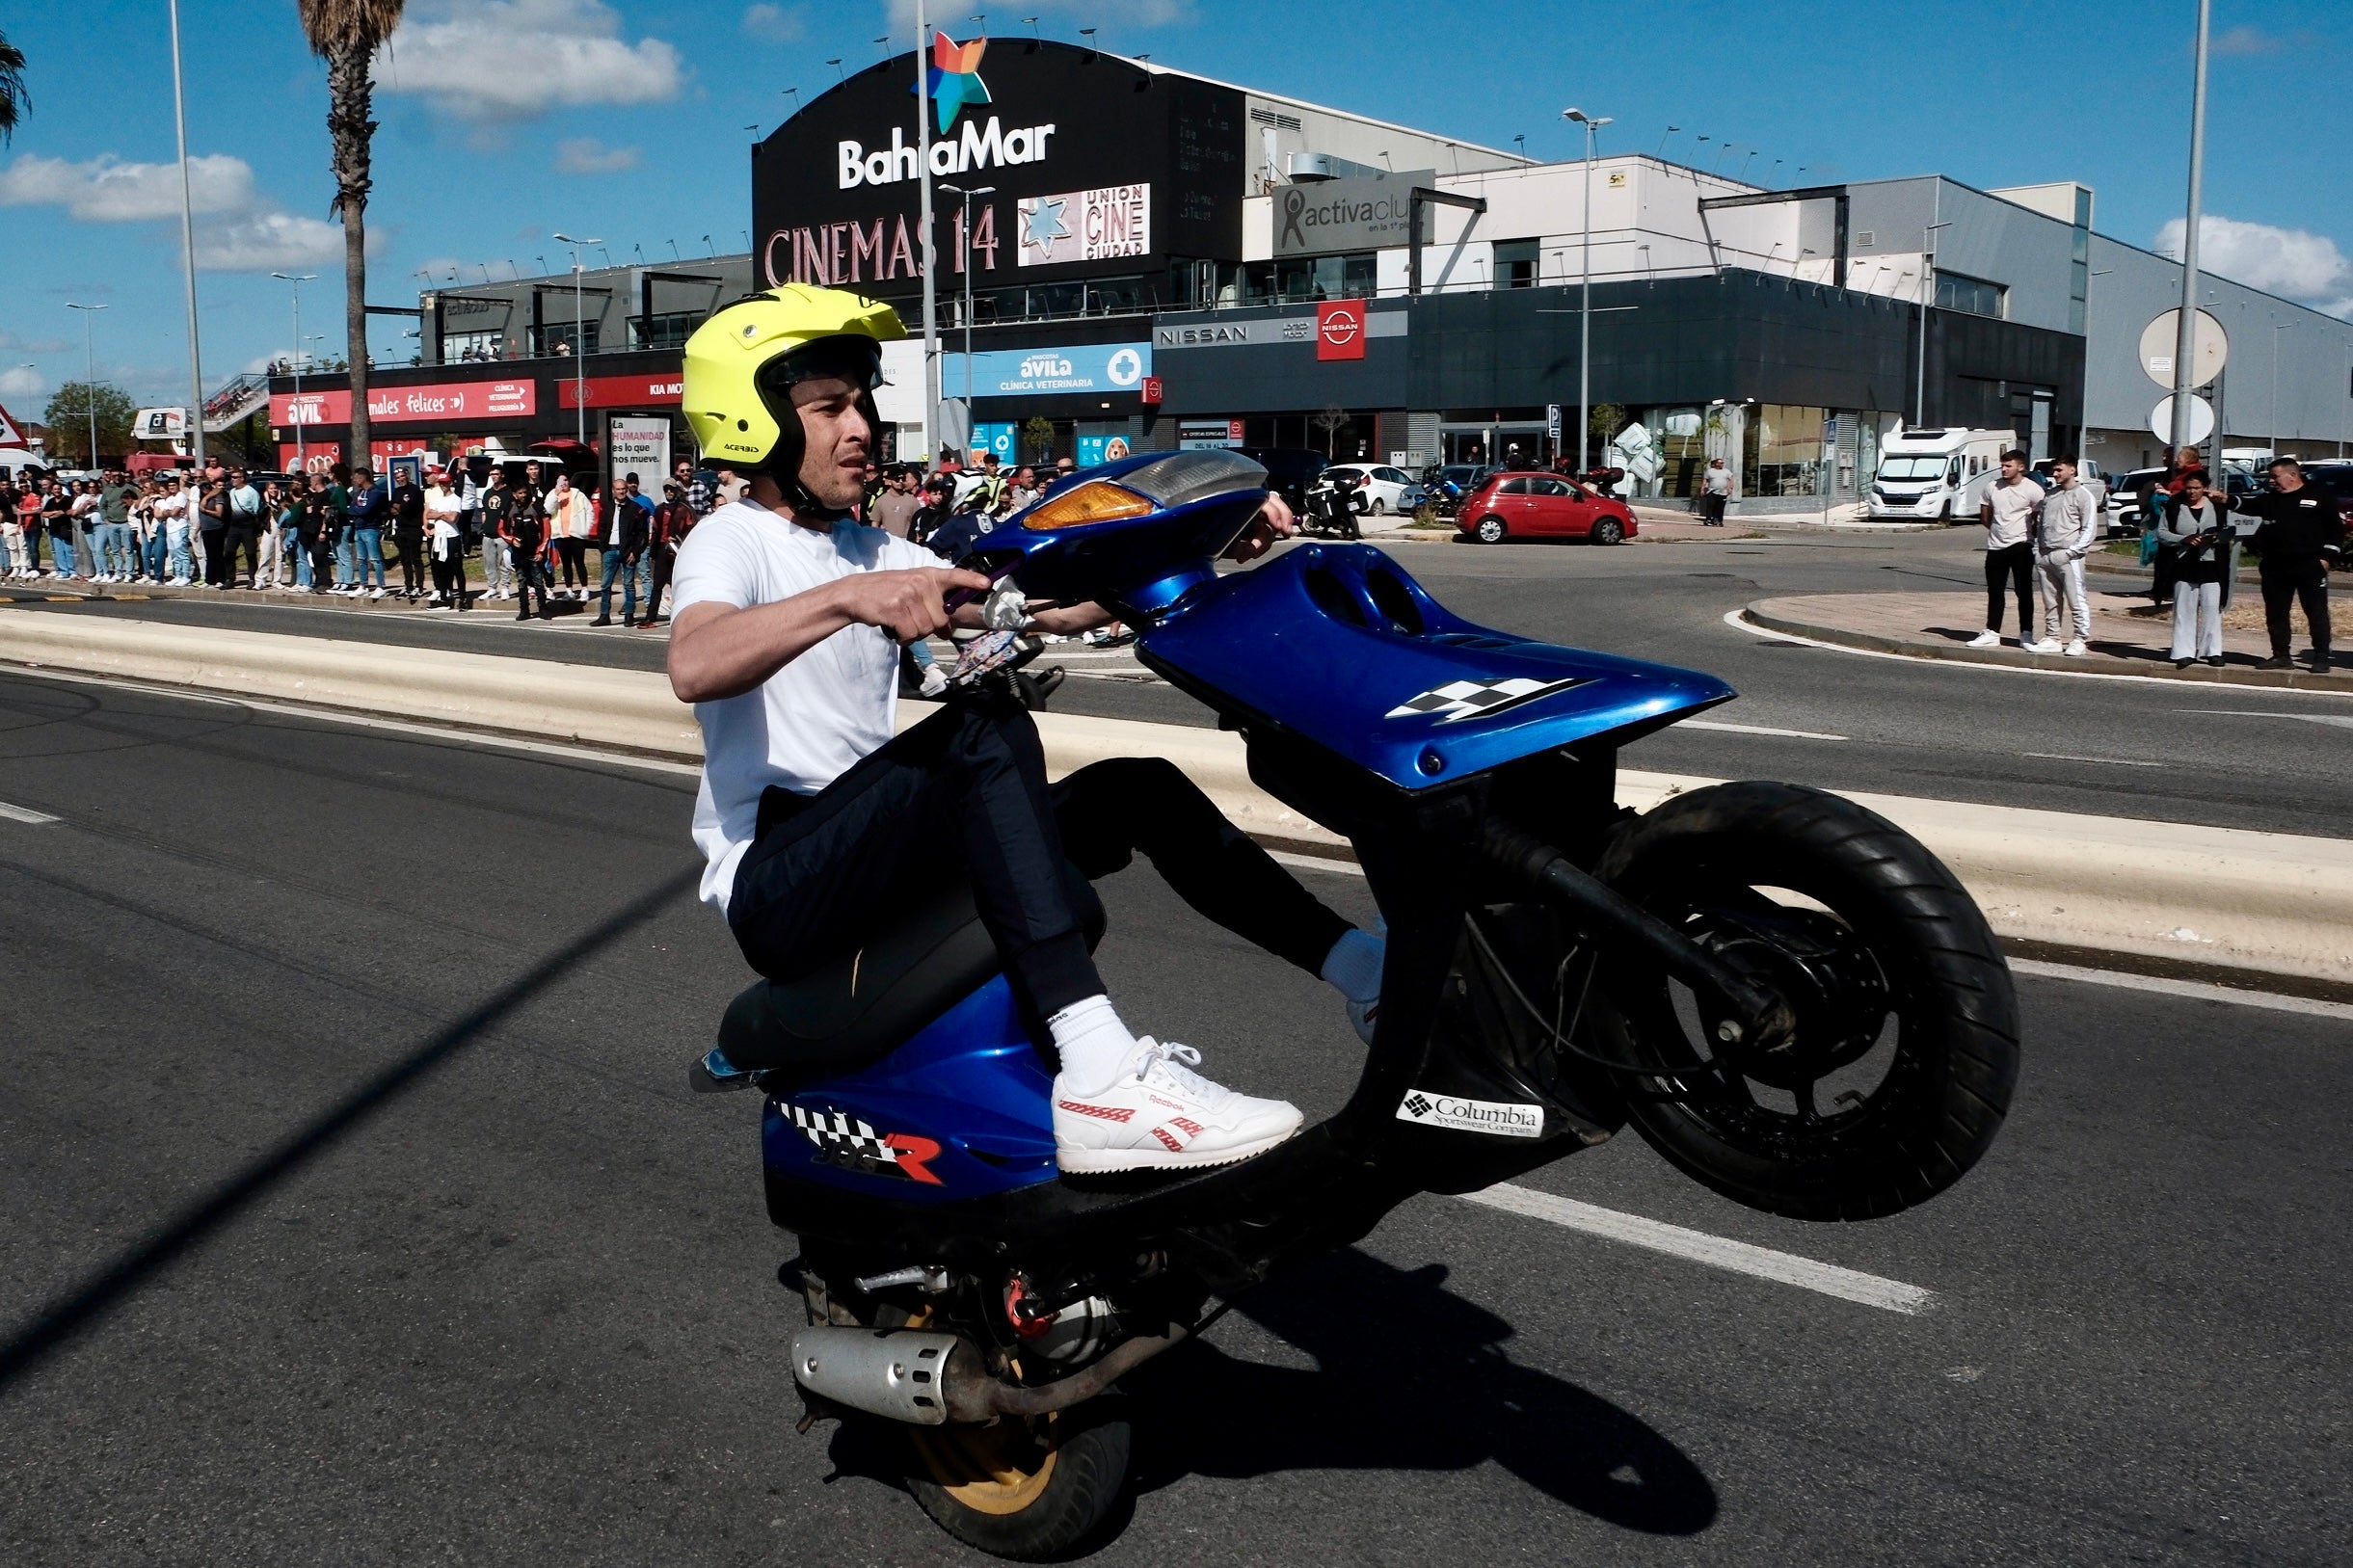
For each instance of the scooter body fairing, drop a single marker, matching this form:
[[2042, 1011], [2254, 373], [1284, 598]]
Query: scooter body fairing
[[958, 1111]]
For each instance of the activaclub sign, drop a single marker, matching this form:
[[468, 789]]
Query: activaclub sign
[[1331, 216]]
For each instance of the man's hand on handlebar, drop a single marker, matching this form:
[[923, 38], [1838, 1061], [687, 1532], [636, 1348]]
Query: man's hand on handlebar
[[908, 603], [1273, 522]]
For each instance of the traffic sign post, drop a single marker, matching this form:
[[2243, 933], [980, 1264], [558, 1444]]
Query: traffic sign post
[[2160, 342]]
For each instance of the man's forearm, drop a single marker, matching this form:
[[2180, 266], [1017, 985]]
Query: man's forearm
[[725, 653]]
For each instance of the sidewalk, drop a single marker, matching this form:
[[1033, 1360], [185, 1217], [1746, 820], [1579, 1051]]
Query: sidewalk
[[1936, 625]]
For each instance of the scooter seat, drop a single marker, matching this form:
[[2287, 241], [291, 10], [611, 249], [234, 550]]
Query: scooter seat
[[857, 1009]]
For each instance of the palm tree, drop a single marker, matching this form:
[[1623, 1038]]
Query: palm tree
[[346, 34], [14, 100]]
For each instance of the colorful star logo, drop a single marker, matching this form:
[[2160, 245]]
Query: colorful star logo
[[955, 77]]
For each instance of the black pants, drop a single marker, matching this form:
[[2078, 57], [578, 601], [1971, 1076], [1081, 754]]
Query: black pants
[[2016, 563], [1711, 509], [2307, 581], [216, 557], [530, 577], [449, 577], [322, 550], [665, 557], [966, 788], [573, 553], [240, 536], [412, 548]]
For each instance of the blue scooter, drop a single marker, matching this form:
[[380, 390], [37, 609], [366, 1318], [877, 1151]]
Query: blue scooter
[[1786, 996]]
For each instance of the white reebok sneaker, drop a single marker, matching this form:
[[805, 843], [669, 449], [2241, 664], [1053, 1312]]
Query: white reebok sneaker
[[1985, 639], [1159, 1115], [2075, 650], [2047, 645]]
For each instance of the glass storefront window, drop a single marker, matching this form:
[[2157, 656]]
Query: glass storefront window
[[1783, 454]]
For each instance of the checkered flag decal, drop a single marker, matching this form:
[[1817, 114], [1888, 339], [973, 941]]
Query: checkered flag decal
[[844, 1140], [1459, 700]]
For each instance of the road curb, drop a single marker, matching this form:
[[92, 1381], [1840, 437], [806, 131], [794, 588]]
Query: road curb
[[1758, 613], [2222, 899]]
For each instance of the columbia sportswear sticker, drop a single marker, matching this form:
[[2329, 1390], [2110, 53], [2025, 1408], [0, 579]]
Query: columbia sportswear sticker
[[1459, 1115]]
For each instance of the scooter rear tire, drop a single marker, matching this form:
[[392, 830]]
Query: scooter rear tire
[[1029, 1491], [1903, 959]]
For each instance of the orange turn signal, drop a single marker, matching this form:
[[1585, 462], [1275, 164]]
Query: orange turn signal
[[1098, 500]]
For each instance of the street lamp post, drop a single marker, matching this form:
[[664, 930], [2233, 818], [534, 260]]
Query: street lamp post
[[1927, 296], [2186, 339], [297, 279], [187, 249], [89, 378], [964, 241], [579, 346], [2276, 327], [932, 281], [1584, 305]]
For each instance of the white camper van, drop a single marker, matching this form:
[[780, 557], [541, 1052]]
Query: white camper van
[[1937, 474]]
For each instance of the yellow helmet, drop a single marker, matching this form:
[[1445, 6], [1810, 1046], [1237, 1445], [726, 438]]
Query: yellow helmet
[[741, 363]]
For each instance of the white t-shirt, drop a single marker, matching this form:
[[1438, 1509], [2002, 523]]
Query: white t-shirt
[[818, 715], [2014, 508]]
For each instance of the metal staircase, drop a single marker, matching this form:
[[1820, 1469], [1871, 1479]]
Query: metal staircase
[[236, 401]]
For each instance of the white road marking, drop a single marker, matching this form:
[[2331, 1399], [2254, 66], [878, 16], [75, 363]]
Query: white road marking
[[1714, 1251], [2339, 720], [2107, 761], [22, 813], [1734, 620], [2193, 990], [1317, 863], [1756, 729]]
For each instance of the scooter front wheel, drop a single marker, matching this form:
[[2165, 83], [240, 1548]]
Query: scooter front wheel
[[1028, 1490], [1907, 1045]]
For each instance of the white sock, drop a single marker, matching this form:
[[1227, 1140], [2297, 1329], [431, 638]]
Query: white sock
[[1093, 1043], [1352, 967]]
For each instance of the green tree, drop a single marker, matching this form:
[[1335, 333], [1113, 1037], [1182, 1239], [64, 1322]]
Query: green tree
[[346, 34], [14, 100], [1037, 436], [1606, 420], [69, 415]]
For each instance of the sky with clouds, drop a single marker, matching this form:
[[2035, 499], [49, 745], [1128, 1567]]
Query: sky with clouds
[[506, 121]]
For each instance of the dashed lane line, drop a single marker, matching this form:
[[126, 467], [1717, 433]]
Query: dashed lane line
[[1713, 1251], [26, 814]]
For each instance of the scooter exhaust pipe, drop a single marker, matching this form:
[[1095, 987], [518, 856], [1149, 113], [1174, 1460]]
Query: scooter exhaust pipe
[[927, 1378]]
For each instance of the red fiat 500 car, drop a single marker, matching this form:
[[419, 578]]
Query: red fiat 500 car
[[1542, 506]]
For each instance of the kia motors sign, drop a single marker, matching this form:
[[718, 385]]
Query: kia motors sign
[[392, 404], [622, 392], [1340, 330]]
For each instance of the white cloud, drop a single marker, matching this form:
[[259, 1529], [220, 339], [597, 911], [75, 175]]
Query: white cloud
[[22, 381], [11, 343], [2286, 261], [516, 59], [775, 25], [108, 191], [2248, 41], [586, 155], [273, 242]]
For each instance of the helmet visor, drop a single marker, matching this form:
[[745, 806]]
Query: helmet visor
[[848, 356]]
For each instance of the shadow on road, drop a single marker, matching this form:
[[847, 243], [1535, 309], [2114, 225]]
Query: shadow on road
[[82, 1305], [1409, 1376]]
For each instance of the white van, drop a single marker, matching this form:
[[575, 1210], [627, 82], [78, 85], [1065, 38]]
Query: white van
[[1937, 474]]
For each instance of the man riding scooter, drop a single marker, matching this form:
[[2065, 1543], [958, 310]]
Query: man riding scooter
[[818, 820]]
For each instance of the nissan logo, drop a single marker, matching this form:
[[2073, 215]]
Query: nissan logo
[[1340, 327]]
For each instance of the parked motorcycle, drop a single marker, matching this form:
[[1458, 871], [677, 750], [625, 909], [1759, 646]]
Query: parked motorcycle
[[1787, 996], [1334, 503]]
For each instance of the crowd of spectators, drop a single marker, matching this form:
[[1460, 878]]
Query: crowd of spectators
[[529, 525]]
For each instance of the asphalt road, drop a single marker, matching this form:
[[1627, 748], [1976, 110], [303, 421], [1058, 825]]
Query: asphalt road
[[525, 1311], [2232, 756]]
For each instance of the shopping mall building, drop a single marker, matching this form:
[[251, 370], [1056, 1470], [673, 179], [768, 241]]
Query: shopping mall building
[[1130, 253]]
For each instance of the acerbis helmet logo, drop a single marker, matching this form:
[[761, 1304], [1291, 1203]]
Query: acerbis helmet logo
[[956, 77]]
